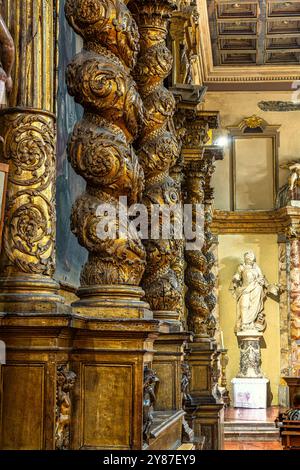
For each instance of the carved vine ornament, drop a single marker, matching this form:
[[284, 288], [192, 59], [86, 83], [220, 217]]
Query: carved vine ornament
[[150, 390], [64, 384]]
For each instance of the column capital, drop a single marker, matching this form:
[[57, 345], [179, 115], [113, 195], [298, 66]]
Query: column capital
[[196, 126], [149, 14]]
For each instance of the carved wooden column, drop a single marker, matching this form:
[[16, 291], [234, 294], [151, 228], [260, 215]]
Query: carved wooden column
[[158, 151], [112, 339], [36, 379], [159, 154], [204, 407], [100, 151], [27, 126]]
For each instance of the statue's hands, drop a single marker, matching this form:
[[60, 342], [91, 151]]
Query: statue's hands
[[233, 288], [274, 291]]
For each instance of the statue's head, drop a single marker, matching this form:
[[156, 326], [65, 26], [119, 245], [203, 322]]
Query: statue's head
[[249, 257]]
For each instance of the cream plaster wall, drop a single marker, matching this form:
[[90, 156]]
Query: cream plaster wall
[[230, 251], [233, 107]]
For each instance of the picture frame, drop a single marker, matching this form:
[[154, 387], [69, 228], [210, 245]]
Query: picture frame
[[4, 168], [253, 129]]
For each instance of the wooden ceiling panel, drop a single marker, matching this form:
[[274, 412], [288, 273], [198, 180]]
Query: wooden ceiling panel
[[237, 44], [238, 28], [254, 32], [237, 10], [284, 9], [238, 58], [289, 42], [282, 58]]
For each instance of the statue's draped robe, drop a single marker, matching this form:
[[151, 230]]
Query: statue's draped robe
[[250, 297]]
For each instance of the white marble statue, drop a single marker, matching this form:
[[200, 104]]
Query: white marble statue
[[250, 288]]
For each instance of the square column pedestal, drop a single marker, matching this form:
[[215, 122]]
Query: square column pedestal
[[249, 392]]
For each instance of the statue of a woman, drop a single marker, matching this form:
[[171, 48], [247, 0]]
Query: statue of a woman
[[250, 289]]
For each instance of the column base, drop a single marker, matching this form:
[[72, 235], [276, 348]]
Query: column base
[[169, 350], [170, 317], [108, 357], [202, 359], [32, 294], [208, 422], [104, 410], [112, 301], [205, 409], [36, 345]]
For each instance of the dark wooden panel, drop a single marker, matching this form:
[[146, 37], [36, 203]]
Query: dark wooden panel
[[166, 399], [23, 413], [199, 379], [107, 406]]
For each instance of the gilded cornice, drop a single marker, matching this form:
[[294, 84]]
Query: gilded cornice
[[280, 221]]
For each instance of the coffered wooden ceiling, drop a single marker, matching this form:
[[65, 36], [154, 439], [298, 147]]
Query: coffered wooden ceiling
[[250, 40], [254, 32]]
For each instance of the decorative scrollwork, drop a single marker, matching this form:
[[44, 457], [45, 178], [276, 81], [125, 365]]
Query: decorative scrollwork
[[150, 389], [29, 232], [64, 384], [185, 383], [99, 147], [250, 359]]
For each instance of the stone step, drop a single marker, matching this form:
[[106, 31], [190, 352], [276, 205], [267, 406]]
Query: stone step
[[250, 430], [249, 424]]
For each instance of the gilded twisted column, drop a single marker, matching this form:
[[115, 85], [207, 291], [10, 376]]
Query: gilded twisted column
[[158, 151], [197, 284], [210, 299], [196, 261], [100, 150], [200, 299], [28, 129], [199, 278]]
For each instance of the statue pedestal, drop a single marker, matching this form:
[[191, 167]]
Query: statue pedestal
[[250, 386], [249, 392], [250, 356]]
